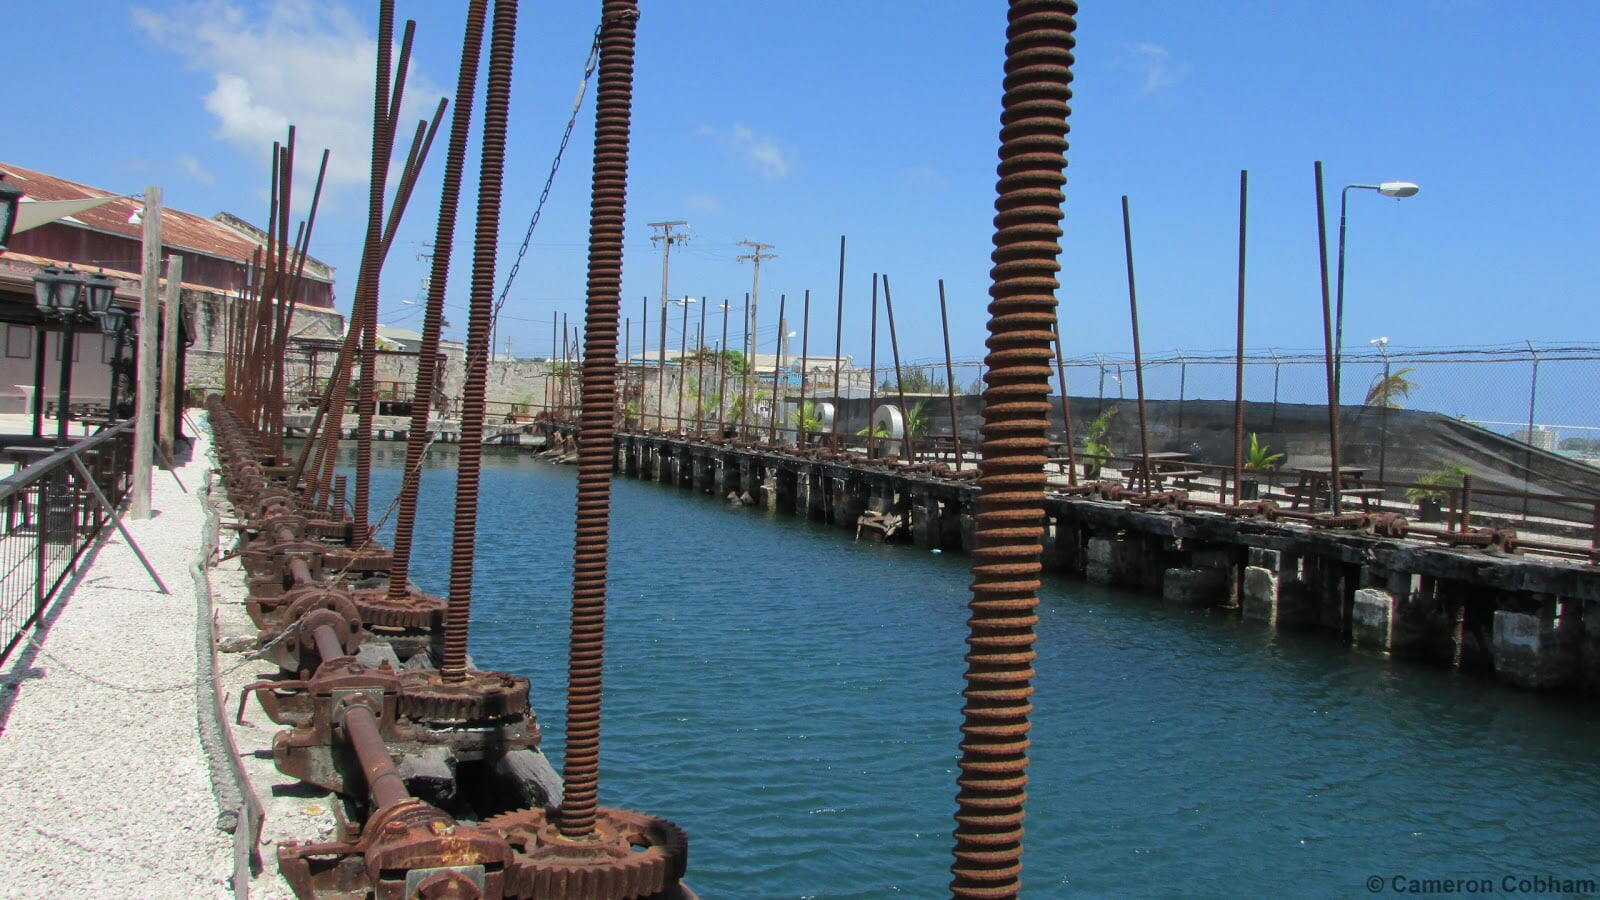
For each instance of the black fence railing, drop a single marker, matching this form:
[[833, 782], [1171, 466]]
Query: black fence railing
[[49, 514]]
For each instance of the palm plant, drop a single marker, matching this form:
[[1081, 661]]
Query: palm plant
[[806, 420], [1261, 458], [1388, 390]]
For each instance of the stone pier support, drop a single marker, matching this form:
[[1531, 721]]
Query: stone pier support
[[1539, 649], [1115, 560], [1372, 620], [925, 524]]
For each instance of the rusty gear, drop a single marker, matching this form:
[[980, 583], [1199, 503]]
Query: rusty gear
[[606, 866], [426, 697]]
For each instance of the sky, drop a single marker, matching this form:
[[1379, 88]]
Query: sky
[[793, 123]]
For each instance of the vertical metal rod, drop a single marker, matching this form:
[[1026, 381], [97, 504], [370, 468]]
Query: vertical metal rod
[[1527, 455], [627, 347], [683, 349], [722, 372], [68, 345], [1383, 421], [872, 376], [700, 372], [491, 173], [565, 381], [433, 312], [1238, 356], [644, 357], [950, 381], [581, 766], [899, 385], [1011, 481], [1066, 407], [777, 371], [1465, 522], [1334, 486], [800, 433], [749, 364], [1138, 360], [838, 336]]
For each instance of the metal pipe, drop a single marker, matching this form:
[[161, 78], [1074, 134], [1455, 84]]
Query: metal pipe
[[1066, 408], [700, 371], [1138, 361], [1334, 486], [749, 362], [497, 103], [838, 335], [382, 145], [1238, 361], [872, 376], [1011, 480], [383, 779], [433, 313], [581, 766], [899, 385], [800, 433], [328, 646], [722, 355], [950, 381], [777, 371], [683, 349]]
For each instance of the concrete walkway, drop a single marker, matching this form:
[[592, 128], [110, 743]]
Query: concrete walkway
[[105, 790]]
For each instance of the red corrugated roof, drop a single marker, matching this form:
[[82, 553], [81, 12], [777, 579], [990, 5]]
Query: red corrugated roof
[[178, 229]]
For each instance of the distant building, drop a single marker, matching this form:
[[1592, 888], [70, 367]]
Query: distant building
[[218, 255], [1540, 437]]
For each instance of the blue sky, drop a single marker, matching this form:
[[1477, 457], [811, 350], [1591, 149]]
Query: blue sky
[[795, 122]]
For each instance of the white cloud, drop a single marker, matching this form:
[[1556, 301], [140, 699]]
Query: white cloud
[[759, 151], [1156, 62], [192, 167], [923, 177], [297, 62], [706, 203]]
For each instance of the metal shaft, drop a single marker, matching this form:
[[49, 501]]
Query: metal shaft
[[872, 374], [899, 383], [497, 106], [805, 349], [1138, 361], [1238, 361], [433, 316], [1011, 481], [838, 337], [1327, 337], [613, 118], [950, 378], [1066, 410]]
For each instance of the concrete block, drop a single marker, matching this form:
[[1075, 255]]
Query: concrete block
[[1533, 651], [1195, 587], [1266, 559], [1371, 623], [1261, 593]]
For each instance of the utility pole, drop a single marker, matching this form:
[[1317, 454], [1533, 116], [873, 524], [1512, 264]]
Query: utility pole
[[758, 252], [145, 385], [667, 237]]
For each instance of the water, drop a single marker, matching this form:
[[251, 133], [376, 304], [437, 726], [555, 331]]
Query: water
[[792, 699]]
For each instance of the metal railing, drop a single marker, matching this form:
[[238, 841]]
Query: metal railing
[[50, 513]]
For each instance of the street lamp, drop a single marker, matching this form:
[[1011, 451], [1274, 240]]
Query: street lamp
[[117, 322], [1396, 189], [61, 293]]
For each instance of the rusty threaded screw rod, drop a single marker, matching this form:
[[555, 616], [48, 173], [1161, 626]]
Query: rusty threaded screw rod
[[1011, 480], [433, 316], [491, 174], [613, 114]]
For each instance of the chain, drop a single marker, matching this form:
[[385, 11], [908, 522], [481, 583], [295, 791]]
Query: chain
[[589, 67]]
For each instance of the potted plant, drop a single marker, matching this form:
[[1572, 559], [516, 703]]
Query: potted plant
[[1097, 444], [1259, 459], [1432, 489]]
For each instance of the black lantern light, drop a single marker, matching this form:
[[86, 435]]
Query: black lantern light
[[101, 293], [58, 290], [114, 320], [10, 198]]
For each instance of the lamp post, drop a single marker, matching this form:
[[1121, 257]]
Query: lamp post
[[1396, 189], [116, 322], [66, 294]]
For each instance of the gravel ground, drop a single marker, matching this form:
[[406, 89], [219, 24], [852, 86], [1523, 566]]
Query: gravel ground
[[105, 789]]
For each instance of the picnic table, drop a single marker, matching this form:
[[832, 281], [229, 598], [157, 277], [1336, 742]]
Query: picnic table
[[1312, 486], [1163, 465]]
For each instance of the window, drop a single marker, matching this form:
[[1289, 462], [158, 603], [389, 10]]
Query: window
[[19, 341]]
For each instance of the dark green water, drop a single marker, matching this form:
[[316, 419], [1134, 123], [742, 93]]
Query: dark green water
[[792, 699]]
